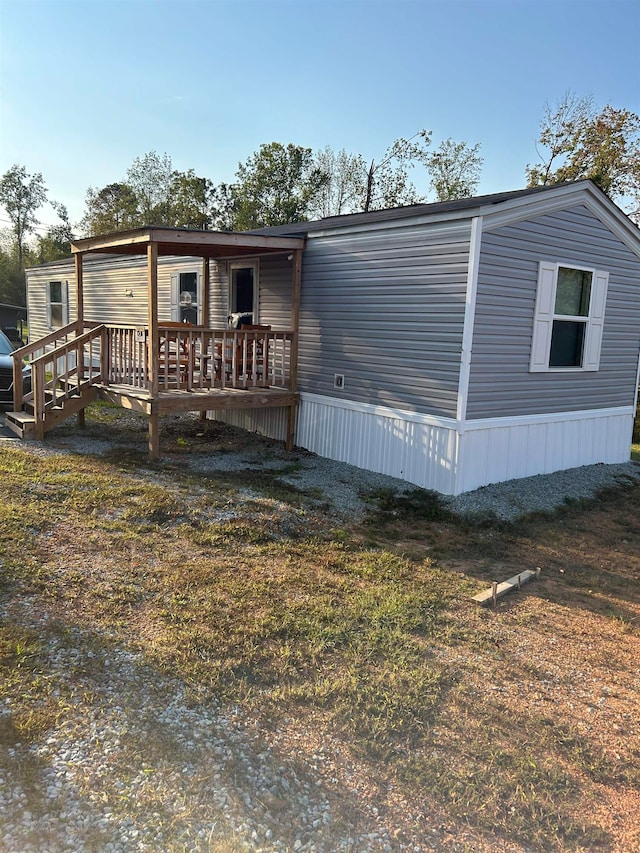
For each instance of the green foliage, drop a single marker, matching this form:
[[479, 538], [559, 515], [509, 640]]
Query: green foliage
[[582, 142], [455, 170], [12, 283], [276, 185], [150, 178], [191, 200], [113, 208], [387, 183], [344, 189], [21, 195], [152, 193]]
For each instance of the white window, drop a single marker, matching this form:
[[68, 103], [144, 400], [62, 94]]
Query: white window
[[570, 304], [57, 304]]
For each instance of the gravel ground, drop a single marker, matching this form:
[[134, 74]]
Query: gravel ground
[[343, 486], [136, 762]]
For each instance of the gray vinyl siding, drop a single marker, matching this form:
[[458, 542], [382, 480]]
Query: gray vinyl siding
[[385, 308], [276, 275], [500, 382]]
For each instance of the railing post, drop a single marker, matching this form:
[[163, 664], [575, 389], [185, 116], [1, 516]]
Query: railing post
[[38, 379], [105, 360], [17, 384]]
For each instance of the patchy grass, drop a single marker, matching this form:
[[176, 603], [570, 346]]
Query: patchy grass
[[512, 721]]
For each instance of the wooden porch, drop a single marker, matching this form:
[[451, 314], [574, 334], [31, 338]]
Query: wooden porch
[[162, 367]]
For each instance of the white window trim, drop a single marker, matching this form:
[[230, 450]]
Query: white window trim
[[239, 265], [545, 315], [64, 296]]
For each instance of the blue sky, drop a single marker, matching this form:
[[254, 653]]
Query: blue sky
[[88, 85]]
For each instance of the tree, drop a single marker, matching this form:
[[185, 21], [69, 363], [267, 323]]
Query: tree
[[387, 182], [581, 142], [21, 195], [191, 201], [277, 185], [150, 178], [56, 243], [12, 284], [343, 188], [113, 208], [455, 169]]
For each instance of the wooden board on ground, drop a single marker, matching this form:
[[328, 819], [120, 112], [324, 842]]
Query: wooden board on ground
[[488, 596]]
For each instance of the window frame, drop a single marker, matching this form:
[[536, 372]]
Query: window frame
[[232, 266], [545, 316], [63, 304]]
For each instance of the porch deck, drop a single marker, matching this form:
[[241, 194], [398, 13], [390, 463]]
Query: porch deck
[[200, 370], [163, 367]]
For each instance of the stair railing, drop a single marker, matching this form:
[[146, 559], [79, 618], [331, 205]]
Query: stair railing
[[65, 372]]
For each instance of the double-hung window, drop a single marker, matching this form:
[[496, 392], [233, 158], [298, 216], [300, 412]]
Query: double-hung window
[[570, 305], [57, 304]]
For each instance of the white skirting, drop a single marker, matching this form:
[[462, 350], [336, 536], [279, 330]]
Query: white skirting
[[440, 453]]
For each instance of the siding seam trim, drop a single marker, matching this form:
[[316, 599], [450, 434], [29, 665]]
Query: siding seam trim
[[469, 317]]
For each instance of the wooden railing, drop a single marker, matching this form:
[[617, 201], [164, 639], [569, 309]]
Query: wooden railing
[[189, 358], [55, 345], [198, 358], [63, 371]]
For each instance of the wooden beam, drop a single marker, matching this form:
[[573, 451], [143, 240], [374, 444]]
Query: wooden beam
[[153, 342], [498, 590], [79, 291], [206, 295], [184, 241]]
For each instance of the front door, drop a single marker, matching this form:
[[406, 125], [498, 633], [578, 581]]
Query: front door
[[243, 293], [185, 297]]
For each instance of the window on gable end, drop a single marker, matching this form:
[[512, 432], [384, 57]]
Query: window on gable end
[[570, 304]]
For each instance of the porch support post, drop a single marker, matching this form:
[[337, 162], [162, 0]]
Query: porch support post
[[206, 302], [152, 347], [80, 317], [206, 298], [79, 289], [293, 365], [152, 297]]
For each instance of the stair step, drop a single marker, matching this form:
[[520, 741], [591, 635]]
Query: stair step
[[20, 423]]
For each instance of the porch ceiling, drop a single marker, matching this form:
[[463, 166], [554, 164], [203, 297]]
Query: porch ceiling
[[186, 242]]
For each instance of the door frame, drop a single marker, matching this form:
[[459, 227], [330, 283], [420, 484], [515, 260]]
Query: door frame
[[253, 264]]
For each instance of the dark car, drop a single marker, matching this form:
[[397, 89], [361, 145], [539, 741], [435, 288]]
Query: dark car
[[6, 371]]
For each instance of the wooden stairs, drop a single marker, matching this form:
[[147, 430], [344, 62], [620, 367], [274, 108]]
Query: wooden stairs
[[24, 423]]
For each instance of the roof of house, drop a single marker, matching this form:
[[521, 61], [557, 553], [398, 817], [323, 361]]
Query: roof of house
[[496, 209], [394, 213]]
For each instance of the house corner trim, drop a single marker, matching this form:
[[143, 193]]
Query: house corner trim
[[469, 319]]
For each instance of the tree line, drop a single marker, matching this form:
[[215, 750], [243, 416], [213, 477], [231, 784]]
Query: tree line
[[280, 184]]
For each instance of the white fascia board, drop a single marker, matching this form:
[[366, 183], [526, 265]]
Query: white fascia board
[[551, 417], [560, 198], [469, 317], [381, 411]]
